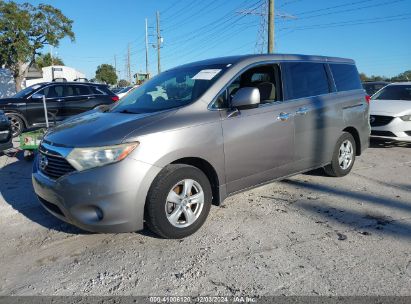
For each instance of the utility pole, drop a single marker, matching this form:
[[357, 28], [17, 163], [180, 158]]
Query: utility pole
[[158, 43], [115, 63], [269, 15], [128, 64], [147, 46], [270, 26]]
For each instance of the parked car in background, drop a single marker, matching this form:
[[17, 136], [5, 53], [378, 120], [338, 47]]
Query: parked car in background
[[5, 132], [64, 99], [116, 90], [371, 87], [390, 112], [224, 125], [124, 91]]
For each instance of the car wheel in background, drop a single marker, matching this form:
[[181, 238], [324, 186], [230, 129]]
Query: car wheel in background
[[17, 124], [343, 156], [178, 201]]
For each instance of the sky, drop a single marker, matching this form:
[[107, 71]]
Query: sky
[[375, 33]]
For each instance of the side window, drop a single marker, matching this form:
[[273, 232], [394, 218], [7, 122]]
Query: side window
[[53, 91], [346, 77], [70, 91], [266, 78], [81, 90], [306, 79], [96, 91]]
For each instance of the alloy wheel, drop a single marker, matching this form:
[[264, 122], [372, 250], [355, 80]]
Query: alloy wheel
[[184, 203], [346, 154]]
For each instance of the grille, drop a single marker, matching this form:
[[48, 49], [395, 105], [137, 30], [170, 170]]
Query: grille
[[383, 133], [56, 165], [379, 120]]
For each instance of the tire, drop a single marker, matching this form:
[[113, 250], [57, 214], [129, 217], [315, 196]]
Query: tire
[[17, 124], [174, 220], [342, 164]]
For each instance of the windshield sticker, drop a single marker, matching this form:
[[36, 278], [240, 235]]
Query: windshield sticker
[[206, 74]]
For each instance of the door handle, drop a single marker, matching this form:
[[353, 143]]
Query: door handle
[[91, 97], [284, 116], [301, 111], [60, 99]]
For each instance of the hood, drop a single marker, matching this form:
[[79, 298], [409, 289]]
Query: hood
[[100, 129], [5, 101], [391, 107]]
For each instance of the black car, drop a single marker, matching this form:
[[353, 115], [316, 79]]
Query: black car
[[371, 87], [64, 99], [5, 132]]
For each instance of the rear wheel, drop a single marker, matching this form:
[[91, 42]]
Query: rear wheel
[[17, 124], [178, 202], [343, 157]]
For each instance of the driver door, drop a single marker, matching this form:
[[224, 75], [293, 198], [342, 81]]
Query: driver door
[[258, 142]]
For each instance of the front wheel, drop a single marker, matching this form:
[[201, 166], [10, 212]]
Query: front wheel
[[343, 157], [178, 201]]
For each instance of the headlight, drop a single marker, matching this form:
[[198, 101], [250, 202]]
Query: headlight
[[406, 118], [86, 158]]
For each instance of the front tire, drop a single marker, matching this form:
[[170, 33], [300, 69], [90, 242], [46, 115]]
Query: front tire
[[343, 156], [178, 201]]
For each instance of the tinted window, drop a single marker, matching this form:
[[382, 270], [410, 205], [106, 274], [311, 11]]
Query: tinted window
[[82, 90], [346, 77], [53, 91], [394, 92], [306, 79], [96, 91]]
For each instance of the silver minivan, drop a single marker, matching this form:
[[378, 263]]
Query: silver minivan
[[195, 134]]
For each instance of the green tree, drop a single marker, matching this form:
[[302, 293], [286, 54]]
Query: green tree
[[123, 83], [45, 60], [405, 76], [107, 74], [24, 30]]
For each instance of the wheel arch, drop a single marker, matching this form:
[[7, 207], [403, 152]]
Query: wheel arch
[[208, 170], [17, 113], [353, 131]]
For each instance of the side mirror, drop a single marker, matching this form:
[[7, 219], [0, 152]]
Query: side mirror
[[246, 98], [37, 96]]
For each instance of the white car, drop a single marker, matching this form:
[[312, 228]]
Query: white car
[[390, 112], [124, 92]]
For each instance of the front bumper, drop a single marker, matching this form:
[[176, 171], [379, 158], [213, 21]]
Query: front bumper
[[5, 139], [104, 199], [396, 129]]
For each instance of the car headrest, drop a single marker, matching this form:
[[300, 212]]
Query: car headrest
[[267, 91]]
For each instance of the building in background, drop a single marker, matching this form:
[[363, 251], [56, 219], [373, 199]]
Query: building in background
[[58, 71]]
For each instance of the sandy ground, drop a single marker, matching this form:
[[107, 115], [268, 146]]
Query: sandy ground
[[307, 235]]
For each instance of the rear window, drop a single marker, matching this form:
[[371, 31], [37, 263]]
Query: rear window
[[346, 77], [394, 92], [306, 79], [101, 90]]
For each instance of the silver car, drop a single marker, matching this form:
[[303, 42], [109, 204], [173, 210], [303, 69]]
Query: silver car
[[195, 134]]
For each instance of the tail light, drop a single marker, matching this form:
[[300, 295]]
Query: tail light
[[115, 98], [367, 98]]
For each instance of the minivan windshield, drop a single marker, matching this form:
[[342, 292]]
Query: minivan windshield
[[171, 89], [394, 92]]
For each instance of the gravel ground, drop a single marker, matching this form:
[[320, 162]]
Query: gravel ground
[[306, 235]]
